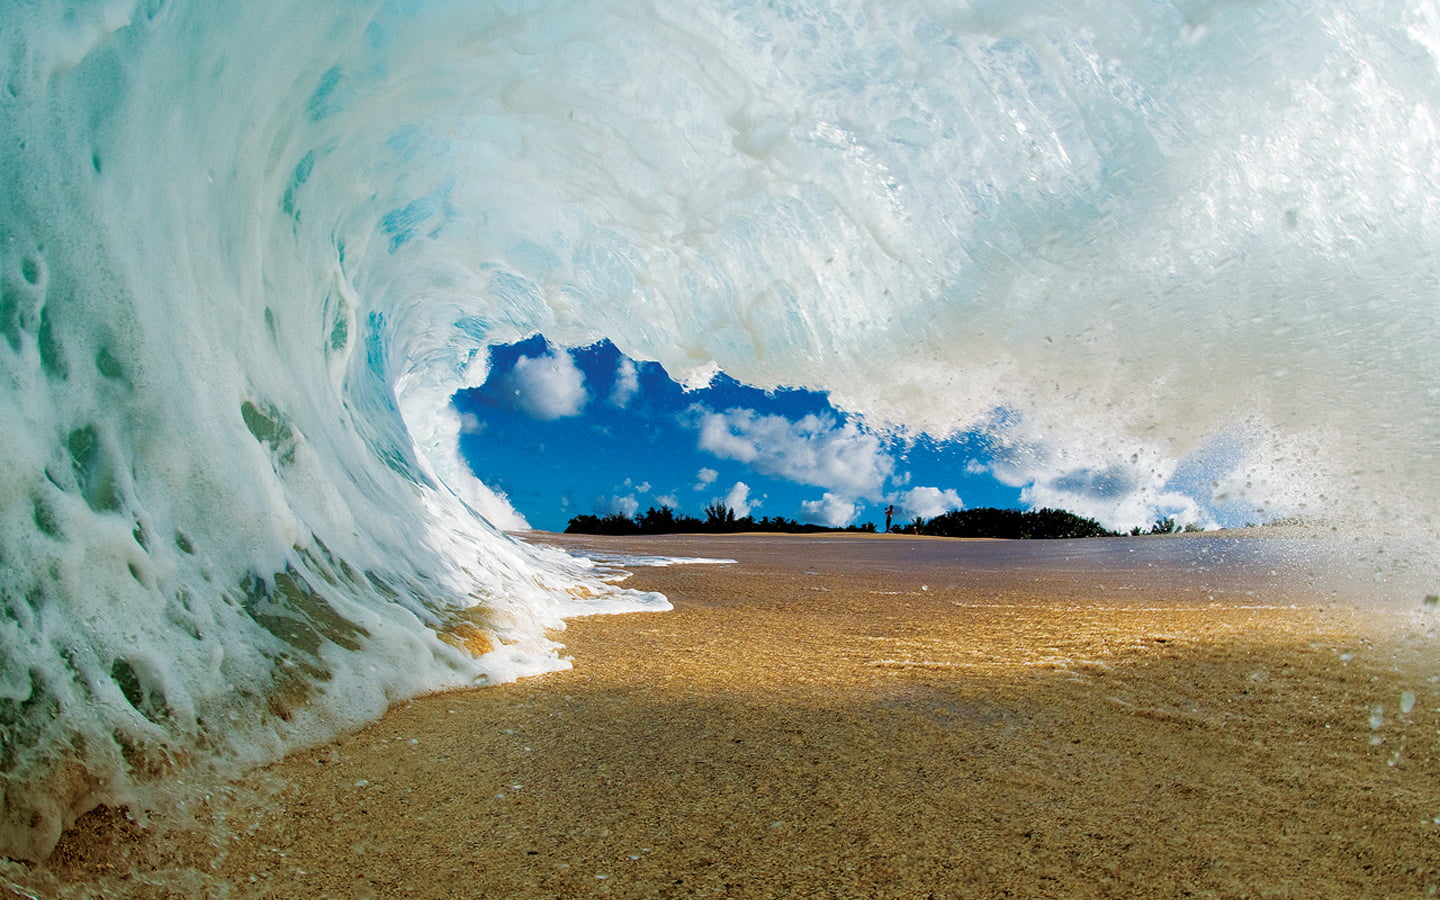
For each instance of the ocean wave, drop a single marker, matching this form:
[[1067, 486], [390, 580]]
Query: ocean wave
[[249, 251]]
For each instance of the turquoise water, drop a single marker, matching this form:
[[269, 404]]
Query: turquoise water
[[249, 251]]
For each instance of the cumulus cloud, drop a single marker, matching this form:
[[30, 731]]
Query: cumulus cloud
[[704, 478], [547, 387], [814, 450], [738, 500], [1265, 476], [830, 510], [1122, 483], [627, 383], [669, 500], [924, 503], [1140, 507], [623, 504], [642, 487]]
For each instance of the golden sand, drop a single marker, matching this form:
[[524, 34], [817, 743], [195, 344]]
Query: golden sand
[[809, 723]]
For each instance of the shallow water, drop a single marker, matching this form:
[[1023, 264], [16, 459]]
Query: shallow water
[[1324, 569], [247, 255], [873, 718]]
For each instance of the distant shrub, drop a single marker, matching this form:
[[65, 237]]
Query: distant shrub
[[985, 522], [1014, 524]]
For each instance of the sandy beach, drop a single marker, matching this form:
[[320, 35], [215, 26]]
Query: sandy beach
[[869, 717]]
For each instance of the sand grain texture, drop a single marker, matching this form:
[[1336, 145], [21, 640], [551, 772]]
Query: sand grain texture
[[839, 719]]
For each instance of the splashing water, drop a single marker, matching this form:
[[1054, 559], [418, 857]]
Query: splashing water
[[248, 251]]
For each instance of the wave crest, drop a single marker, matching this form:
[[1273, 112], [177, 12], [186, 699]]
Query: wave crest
[[243, 268]]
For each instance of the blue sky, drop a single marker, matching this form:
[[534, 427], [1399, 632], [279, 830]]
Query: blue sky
[[562, 433]]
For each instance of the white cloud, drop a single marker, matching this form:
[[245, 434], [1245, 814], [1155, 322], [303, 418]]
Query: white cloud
[[704, 478], [547, 387], [627, 383], [814, 450], [924, 503], [1271, 476], [624, 504], [1120, 482], [830, 510], [669, 500], [739, 500], [1140, 507]]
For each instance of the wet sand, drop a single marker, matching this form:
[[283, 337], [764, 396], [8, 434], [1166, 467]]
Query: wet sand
[[854, 717]]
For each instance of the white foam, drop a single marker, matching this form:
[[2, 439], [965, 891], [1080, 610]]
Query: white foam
[[641, 560], [242, 269]]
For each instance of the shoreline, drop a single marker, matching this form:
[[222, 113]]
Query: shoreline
[[847, 724], [1318, 530]]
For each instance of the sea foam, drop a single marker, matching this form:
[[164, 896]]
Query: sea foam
[[248, 251]]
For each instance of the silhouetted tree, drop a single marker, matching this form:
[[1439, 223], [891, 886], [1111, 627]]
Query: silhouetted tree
[[978, 522], [719, 517], [612, 523], [1013, 524]]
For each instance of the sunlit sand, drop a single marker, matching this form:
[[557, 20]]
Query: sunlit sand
[[843, 718]]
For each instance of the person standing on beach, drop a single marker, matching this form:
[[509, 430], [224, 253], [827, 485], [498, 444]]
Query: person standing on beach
[[889, 513]]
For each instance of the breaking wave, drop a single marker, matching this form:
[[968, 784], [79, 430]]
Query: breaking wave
[[248, 252]]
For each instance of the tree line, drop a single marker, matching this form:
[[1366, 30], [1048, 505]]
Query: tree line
[[1012, 524], [719, 519], [984, 522]]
